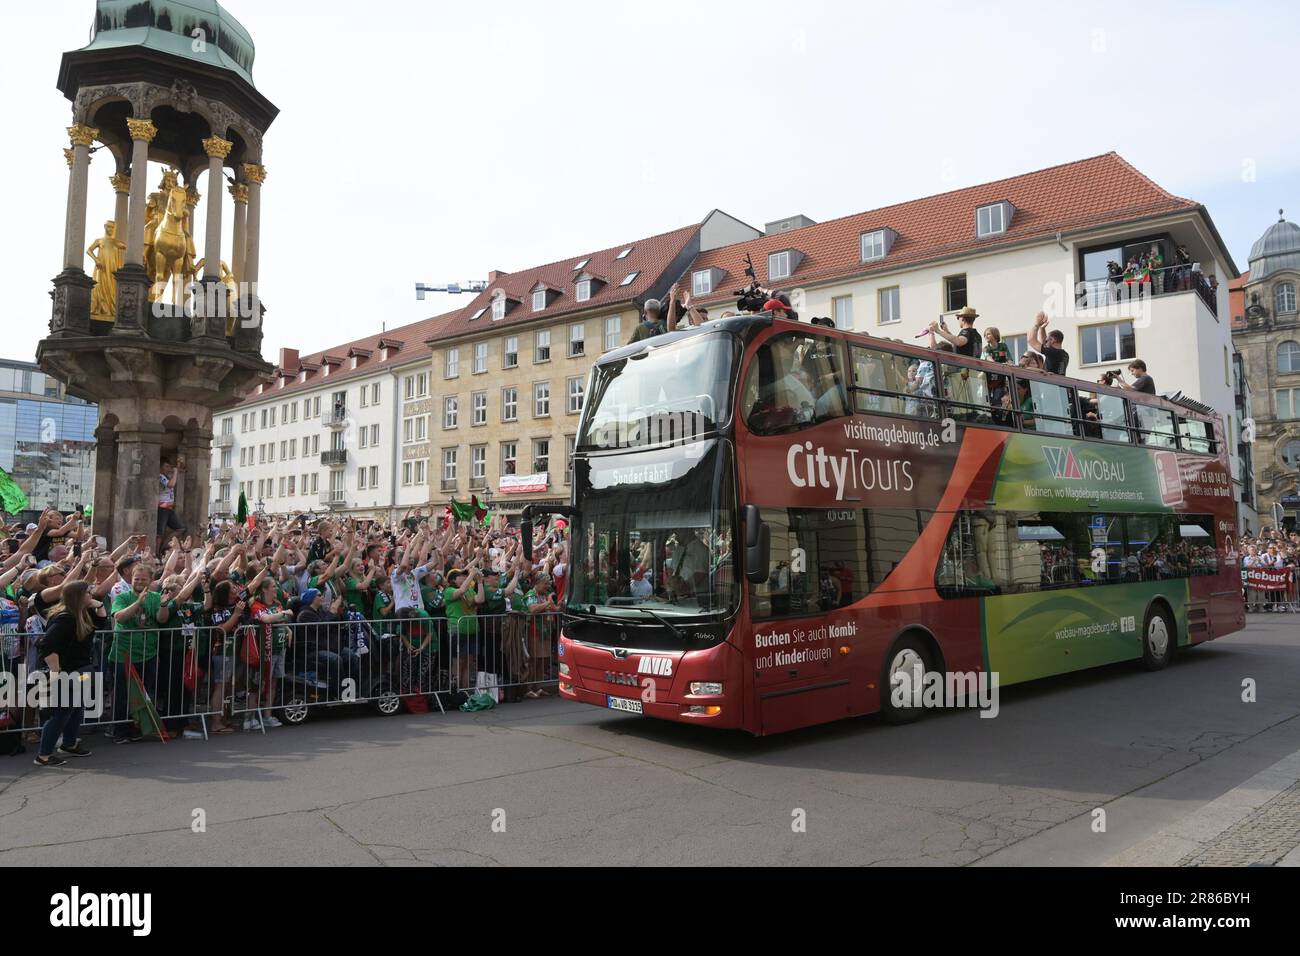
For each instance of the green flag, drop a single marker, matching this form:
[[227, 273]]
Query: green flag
[[12, 498], [141, 707], [242, 514], [469, 512]]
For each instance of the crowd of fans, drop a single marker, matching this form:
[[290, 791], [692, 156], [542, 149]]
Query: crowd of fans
[[1271, 549], [196, 624]]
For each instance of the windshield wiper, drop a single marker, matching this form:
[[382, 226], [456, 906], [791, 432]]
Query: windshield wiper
[[676, 631]]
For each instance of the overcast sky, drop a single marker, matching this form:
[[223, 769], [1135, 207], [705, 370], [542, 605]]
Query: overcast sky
[[422, 141]]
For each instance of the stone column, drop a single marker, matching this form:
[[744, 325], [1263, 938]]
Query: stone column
[[135, 481], [256, 176], [193, 502], [239, 193], [217, 149], [70, 315], [121, 215], [74, 233], [132, 279], [105, 465]]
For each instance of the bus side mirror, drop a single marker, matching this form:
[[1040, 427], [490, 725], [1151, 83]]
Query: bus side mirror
[[526, 535], [758, 545]]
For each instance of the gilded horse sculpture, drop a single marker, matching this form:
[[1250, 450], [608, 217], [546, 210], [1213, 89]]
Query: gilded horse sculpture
[[170, 248]]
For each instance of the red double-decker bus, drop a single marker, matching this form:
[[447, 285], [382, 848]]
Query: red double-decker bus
[[772, 522]]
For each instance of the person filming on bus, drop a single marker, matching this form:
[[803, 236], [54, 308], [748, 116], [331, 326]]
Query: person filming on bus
[[967, 340], [1142, 382]]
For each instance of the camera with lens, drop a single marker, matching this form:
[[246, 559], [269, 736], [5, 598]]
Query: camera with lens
[[1110, 376]]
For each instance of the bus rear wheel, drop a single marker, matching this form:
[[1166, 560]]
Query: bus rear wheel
[[1158, 638], [908, 655]]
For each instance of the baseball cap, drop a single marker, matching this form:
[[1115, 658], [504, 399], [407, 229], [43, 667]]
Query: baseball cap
[[310, 595]]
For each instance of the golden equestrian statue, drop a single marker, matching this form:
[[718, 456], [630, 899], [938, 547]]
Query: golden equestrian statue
[[108, 254], [156, 210], [171, 249]]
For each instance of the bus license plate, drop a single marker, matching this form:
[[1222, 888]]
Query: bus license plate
[[625, 705]]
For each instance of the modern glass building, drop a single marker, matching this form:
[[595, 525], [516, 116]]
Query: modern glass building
[[47, 438]]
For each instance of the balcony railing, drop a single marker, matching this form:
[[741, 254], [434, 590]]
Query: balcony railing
[[222, 507], [1171, 280], [333, 499], [334, 457], [336, 417], [224, 473], [224, 440]]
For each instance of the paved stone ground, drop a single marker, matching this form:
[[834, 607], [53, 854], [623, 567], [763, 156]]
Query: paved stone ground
[[1264, 836], [580, 785]]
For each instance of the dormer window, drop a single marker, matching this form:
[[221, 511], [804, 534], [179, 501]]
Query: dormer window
[[993, 220], [582, 291], [625, 253], [781, 265], [875, 245], [498, 308], [539, 300], [629, 278], [702, 282]]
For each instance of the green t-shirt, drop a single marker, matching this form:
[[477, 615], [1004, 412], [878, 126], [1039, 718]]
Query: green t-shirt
[[382, 601], [137, 637], [353, 596], [494, 601], [460, 612], [431, 595]]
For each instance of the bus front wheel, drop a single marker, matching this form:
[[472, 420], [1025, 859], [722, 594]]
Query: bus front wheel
[[906, 665], [1158, 638]]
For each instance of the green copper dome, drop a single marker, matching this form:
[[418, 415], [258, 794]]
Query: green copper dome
[[199, 30]]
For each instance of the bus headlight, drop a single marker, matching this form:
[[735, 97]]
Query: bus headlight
[[564, 669], [706, 688]]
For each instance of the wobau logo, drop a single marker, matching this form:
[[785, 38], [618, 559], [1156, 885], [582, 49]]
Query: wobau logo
[[74, 909], [1066, 465]]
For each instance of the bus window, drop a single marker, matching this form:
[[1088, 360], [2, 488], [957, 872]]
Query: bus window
[[817, 562], [1193, 551], [968, 394], [1196, 436], [977, 558], [1113, 417], [1155, 426], [1053, 408], [885, 382], [794, 381]]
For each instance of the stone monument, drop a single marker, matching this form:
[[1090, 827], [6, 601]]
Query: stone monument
[[146, 337]]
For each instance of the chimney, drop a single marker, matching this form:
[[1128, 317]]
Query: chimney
[[289, 360], [496, 274]]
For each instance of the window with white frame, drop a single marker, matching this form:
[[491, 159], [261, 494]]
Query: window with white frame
[[284, 487], [407, 472], [509, 457], [541, 399], [365, 399], [374, 394], [361, 479], [1113, 342], [613, 332], [498, 308], [778, 265], [478, 463], [542, 346], [315, 407], [293, 485], [451, 411], [478, 408], [374, 476], [541, 456], [510, 354], [991, 220], [569, 442], [449, 464], [293, 448], [363, 438], [452, 363], [374, 435], [702, 282], [284, 448], [315, 444], [1284, 298], [422, 385], [1288, 402], [1288, 357], [408, 388], [842, 311], [577, 340], [480, 357], [873, 245], [888, 299], [539, 300], [582, 291], [509, 403], [575, 387]]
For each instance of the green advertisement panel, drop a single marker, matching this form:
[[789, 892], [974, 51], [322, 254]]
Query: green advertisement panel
[[1027, 636], [1046, 473]]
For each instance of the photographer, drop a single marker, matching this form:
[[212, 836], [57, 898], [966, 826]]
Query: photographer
[[1142, 382], [967, 339]]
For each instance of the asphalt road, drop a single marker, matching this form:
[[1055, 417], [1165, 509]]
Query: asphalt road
[[552, 783]]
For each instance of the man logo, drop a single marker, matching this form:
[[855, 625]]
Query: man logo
[[1062, 462]]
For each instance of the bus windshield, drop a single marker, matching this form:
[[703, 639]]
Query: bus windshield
[[671, 393], [655, 534]]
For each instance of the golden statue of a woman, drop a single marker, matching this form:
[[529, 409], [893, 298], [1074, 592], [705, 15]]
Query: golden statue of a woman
[[107, 253]]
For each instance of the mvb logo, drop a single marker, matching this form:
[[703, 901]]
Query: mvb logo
[[659, 666], [76, 909], [1066, 465]]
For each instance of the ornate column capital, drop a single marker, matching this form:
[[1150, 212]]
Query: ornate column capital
[[215, 146], [121, 183], [255, 173], [141, 129], [239, 192], [69, 155], [192, 197], [82, 135]]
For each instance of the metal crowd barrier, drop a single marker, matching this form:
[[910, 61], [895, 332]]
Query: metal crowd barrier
[[1271, 589], [282, 673]]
